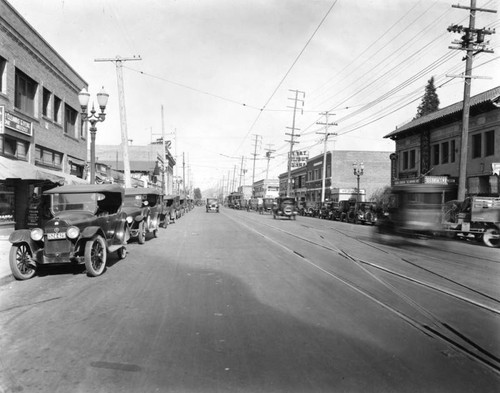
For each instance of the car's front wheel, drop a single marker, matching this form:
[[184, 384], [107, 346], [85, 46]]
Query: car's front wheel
[[95, 256], [21, 264], [491, 238]]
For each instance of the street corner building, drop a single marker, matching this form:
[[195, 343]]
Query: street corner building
[[43, 141]]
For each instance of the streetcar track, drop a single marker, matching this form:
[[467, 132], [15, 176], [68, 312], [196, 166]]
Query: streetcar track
[[477, 353]]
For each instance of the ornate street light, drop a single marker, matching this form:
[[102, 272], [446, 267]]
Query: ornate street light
[[358, 168], [93, 119]]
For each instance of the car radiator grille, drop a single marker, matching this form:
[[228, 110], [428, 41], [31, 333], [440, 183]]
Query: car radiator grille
[[57, 246]]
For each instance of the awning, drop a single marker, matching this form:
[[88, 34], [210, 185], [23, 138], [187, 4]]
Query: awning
[[15, 169]]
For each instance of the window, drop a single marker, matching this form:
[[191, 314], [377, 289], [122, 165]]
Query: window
[[47, 157], [3, 75], [315, 174], [309, 176], [489, 143], [476, 145], [13, 148], [452, 150], [409, 159], [46, 102], [445, 153], [25, 93], [57, 109], [70, 116], [435, 154]]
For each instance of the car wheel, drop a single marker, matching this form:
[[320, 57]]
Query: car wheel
[[491, 238], [95, 256], [122, 253], [21, 263], [141, 235]]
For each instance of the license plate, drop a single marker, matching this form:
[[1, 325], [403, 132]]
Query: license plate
[[53, 236]]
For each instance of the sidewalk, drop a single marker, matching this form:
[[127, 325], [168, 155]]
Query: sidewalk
[[5, 274]]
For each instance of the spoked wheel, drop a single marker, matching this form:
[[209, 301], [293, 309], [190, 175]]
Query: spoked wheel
[[122, 252], [95, 256], [491, 238], [21, 264], [141, 236]]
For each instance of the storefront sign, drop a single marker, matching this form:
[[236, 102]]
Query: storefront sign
[[435, 179], [298, 158], [17, 124]]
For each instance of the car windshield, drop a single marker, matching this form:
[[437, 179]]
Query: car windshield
[[75, 202], [210, 201], [132, 201]]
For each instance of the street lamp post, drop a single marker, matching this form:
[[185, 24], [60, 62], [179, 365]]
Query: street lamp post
[[93, 119], [358, 168]]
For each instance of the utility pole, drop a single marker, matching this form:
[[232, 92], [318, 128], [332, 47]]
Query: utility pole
[[269, 152], [326, 135], [472, 43], [164, 154], [123, 118], [241, 169], [293, 135], [183, 175], [233, 184], [257, 139]]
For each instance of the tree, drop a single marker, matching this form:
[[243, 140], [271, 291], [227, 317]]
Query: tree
[[430, 100]]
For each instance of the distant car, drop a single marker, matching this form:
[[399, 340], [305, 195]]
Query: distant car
[[285, 207], [85, 223], [212, 205], [142, 206]]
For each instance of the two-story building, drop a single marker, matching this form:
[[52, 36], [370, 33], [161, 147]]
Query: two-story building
[[266, 188], [431, 146], [42, 139], [340, 180]]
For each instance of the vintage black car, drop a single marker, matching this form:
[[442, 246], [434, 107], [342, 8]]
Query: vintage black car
[[285, 207], [212, 205], [85, 223], [143, 207]]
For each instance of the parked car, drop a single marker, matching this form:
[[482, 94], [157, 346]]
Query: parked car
[[347, 210], [366, 213], [285, 207], [212, 205], [169, 208], [329, 210], [142, 207], [85, 223]]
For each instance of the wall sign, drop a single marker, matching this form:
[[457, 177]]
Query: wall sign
[[17, 124]]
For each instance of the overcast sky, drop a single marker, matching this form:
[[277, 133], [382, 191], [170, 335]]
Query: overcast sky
[[225, 70]]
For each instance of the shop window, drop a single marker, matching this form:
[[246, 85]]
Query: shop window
[[25, 92], [445, 153], [3, 75], [476, 145], [70, 116], [46, 102], [57, 109], [489, 143]]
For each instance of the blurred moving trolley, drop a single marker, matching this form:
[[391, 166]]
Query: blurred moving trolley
[[430, 208]]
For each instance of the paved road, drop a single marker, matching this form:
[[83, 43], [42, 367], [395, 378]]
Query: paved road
[[238, 302]]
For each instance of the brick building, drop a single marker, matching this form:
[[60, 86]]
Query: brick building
[[431, 144], [42, 139], [340, 181]]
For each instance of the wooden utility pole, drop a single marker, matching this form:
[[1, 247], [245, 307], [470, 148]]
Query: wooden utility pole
[[164, 154], [241, 169], [183, 175], [257, 139], [293, 136], [326, 135], [472, 44], [269, 153], [123, 118]]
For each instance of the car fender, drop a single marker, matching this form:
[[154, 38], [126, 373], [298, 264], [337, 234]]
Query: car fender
[[24, 236], [91, 231]]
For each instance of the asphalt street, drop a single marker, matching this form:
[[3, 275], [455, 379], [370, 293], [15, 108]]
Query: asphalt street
[[239, 302]]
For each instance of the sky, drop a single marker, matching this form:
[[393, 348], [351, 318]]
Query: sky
[[226, 72]]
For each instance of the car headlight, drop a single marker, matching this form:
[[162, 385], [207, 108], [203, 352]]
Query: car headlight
[[130, 219], [37, 234], [73, 232]]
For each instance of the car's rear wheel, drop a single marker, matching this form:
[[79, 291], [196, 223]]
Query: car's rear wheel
[[95, 256], [21, 263], [490, 238]]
